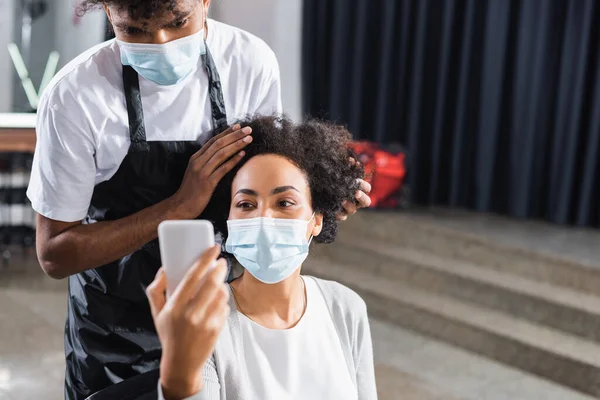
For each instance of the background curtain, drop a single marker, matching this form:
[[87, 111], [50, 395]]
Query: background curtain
[[497, 101]]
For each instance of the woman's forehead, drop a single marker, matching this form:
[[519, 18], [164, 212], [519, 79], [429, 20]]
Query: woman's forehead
[[268, 171]]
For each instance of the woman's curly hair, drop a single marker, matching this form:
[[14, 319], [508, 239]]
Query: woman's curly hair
[[137, 9], [319, 149]]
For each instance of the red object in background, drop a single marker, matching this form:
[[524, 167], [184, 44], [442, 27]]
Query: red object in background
[[385, 171]]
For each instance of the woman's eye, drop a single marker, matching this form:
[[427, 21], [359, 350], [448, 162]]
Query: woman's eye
[[245, 205], [285, 203]]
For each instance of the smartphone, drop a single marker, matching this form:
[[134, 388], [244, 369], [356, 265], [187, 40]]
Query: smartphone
[[181, 244]]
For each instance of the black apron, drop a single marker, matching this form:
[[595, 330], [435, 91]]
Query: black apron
[[109, 334]]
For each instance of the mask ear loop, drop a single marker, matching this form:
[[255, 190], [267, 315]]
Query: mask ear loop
[[307, 222]]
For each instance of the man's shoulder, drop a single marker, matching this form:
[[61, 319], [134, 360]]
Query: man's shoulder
[[243, 48], [228, 35], [90, 71]]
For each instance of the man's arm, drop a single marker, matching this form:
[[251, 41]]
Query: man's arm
[[67, 248]]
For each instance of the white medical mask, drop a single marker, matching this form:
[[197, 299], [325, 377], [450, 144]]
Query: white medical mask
[[270, 249], [165, 64]]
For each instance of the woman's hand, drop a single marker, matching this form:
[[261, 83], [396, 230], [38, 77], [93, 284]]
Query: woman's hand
[[189, 323]]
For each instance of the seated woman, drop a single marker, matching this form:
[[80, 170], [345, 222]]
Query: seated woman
[[288, 336]]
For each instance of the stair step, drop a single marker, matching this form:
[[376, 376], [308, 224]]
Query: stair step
[[558, 307], [405, 360], [414, 232], [563, 358]]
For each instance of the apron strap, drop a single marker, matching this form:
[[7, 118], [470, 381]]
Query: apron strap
[[215, 93], [135, 111]]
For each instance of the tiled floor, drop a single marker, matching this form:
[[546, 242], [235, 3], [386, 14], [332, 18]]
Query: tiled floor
[[32, 312], [409, 366]]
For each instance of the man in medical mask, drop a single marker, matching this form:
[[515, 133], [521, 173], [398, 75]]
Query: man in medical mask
[[125, 141]]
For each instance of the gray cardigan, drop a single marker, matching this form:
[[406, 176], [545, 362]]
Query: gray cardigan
[[223, 379]]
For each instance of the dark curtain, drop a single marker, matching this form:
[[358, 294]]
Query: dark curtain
[[497, 101]]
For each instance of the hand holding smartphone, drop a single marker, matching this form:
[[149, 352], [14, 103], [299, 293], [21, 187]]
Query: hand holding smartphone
[[181, 244], [197, 308]]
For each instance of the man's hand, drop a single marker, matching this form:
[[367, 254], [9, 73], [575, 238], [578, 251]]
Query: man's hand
[[362, 198], [189, 323], [207, 167], [362, 201]]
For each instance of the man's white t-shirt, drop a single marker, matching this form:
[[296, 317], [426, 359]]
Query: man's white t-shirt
[[82, 124]]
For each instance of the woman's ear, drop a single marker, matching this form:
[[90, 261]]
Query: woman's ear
[[316, 231]]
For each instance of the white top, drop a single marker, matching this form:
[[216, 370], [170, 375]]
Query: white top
[[305, 362], [82, 125], [227, 377]]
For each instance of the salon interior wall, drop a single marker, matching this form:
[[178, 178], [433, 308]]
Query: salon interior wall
[[59, 30], [74, 35], [42, 42], [6, 32], [279, 23]]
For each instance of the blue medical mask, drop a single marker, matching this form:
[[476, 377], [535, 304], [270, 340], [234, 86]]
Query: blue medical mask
[[270, 249], [165, 64]]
